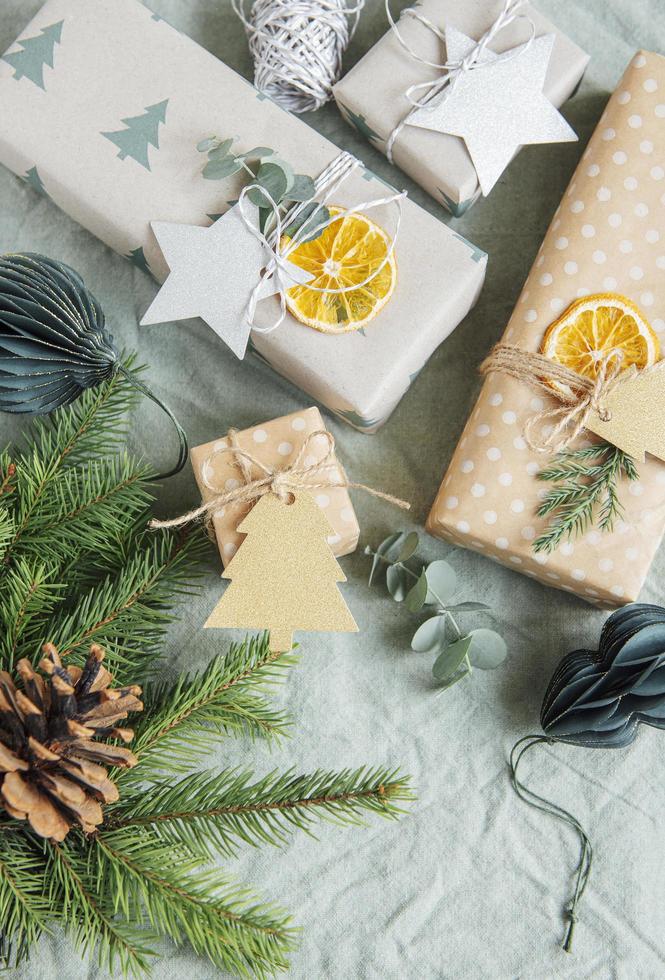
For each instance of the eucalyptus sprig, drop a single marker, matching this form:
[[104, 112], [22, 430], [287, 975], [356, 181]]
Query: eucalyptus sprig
[[586, 488], [271, 173], [419, 584]]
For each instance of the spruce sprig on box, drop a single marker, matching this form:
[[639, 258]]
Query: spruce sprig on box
[[77, 567], [586, 489]]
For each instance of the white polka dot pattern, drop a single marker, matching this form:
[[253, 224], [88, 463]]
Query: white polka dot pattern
[[276, 443], [607, 235]]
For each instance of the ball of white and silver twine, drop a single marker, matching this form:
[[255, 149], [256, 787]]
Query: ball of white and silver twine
[[297, 47]]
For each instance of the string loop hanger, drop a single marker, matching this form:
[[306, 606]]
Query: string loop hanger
[[297, 47]]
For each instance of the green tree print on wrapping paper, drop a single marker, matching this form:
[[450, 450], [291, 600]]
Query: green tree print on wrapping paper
[[141, 133], [360, 123], [32, 178], [138, 259], [36, 52]]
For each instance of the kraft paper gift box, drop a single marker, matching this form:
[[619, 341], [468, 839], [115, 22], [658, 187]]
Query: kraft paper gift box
[[371, 96], [275, 444], [607, 235], [55, 129]]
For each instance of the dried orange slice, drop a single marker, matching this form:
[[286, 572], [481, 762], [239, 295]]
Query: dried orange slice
[[596, 326], [345, 254]]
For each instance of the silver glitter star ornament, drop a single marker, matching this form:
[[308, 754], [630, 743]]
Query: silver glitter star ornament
[[214, 273], [496, 106]]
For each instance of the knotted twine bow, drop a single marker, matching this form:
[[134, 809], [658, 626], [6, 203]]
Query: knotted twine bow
[[279, 246], [434, 91], [301, 474], [580, 397]]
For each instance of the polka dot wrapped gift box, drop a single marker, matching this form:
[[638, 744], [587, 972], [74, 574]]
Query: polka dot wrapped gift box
[[607, 237], [276, 445]]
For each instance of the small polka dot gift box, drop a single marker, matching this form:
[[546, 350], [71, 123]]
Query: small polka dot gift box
[[608, 238], [276, 445]]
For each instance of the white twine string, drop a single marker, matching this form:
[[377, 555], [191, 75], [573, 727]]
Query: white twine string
[[431, 93], [325, 187], [297, 47]]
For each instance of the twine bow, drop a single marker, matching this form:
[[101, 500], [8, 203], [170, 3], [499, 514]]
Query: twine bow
[[305, 472], [279, 247], [579, 396], [431, 93]]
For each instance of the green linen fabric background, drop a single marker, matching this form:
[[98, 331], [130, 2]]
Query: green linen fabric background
[[470, 883]]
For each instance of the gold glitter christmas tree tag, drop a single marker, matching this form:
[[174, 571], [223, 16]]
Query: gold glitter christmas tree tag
[[636, 409], [284, 575]]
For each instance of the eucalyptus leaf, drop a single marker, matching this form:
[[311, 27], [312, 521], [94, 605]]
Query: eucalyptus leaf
[[209, 143], [309, 222], [398, 582], [302, 189], [218, 169], [469, 607], [442, 582], [257, 153], [488, 650], [274, 179], [390, 546], [455, 679], [409, 547], [450, 659], [382, 552], [417, 595], [221, 151], [264, 216], [429, 634]]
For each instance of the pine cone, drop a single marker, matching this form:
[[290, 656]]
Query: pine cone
[[50, 768]]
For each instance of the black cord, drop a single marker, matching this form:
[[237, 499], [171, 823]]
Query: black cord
[[583, 869], [182, 436]]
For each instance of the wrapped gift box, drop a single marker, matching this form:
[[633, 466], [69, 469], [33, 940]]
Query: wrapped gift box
[[607, 235], [275, 444], [109, 131], [372, 95]]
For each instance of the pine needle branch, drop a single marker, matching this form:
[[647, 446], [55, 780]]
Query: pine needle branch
[[88, 915], [214, 813], [94, 425], [128, 612], [87, 508], [226, 698], [588, 480], [28, 594], [24, 908], [189, 904]]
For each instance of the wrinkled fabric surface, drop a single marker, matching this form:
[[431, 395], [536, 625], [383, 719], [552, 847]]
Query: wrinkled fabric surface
[[470, 883]]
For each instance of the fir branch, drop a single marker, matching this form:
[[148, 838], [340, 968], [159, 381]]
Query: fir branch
[[24, 908], [213, 813], [87, 508], [226, 698], [94, 425], [589, 479], [127, 613], [190, 904], [28, 594], [88, 914]]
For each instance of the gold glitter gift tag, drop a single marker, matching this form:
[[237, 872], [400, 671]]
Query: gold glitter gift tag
[[637, 415], [284, 575]]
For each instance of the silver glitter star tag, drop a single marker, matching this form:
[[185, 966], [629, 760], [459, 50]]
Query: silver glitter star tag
[[496, 107], [214, 272]]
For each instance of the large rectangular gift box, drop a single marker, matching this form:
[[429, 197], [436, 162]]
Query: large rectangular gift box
[[608, 235], [85, 71], [275, 444], [372, 96]]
